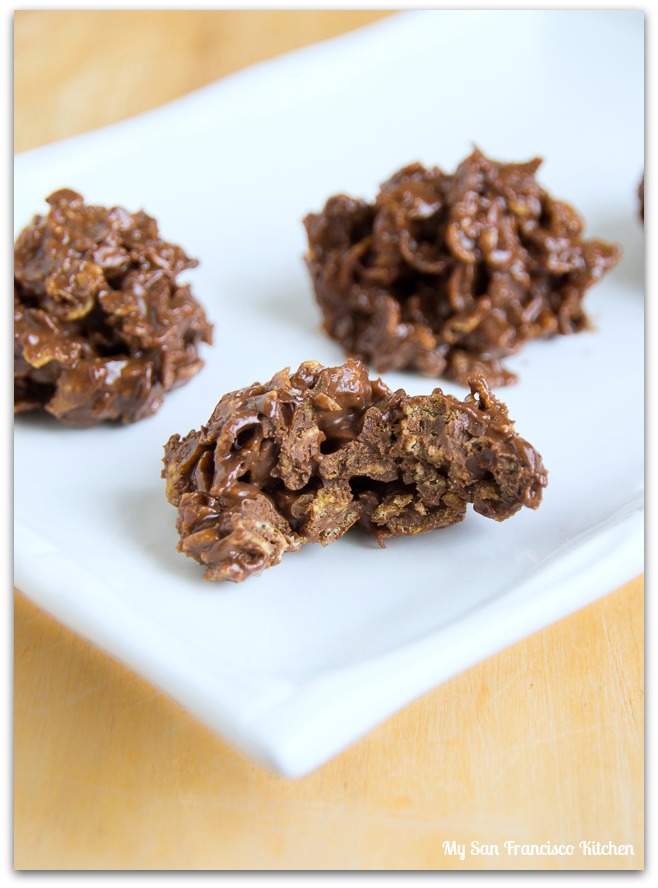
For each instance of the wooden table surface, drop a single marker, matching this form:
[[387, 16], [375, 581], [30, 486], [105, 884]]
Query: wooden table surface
[[541, 743]]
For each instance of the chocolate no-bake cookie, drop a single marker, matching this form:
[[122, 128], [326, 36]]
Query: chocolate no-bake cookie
[[101, 327], [448, 274], [308, 455]]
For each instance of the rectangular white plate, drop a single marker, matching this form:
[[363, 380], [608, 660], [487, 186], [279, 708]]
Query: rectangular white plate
[[293, 666]]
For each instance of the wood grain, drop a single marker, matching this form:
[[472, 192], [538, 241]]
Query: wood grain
[[543, 742], [75, 71]]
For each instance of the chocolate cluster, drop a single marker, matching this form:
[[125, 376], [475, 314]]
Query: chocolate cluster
[[449, 274], [102, 329], [310, 454]]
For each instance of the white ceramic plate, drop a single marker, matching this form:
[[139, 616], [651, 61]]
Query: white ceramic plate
[[293, 666]]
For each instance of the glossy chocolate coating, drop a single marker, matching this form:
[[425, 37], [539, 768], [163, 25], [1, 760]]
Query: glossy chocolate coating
[[449, 274], [308, 455], [102, 330]]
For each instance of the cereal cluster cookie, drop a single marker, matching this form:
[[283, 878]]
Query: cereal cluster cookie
[[449, 274], [310, 454], [102, 329]]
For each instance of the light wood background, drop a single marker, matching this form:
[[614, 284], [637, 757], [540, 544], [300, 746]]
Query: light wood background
[[543, 742]]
